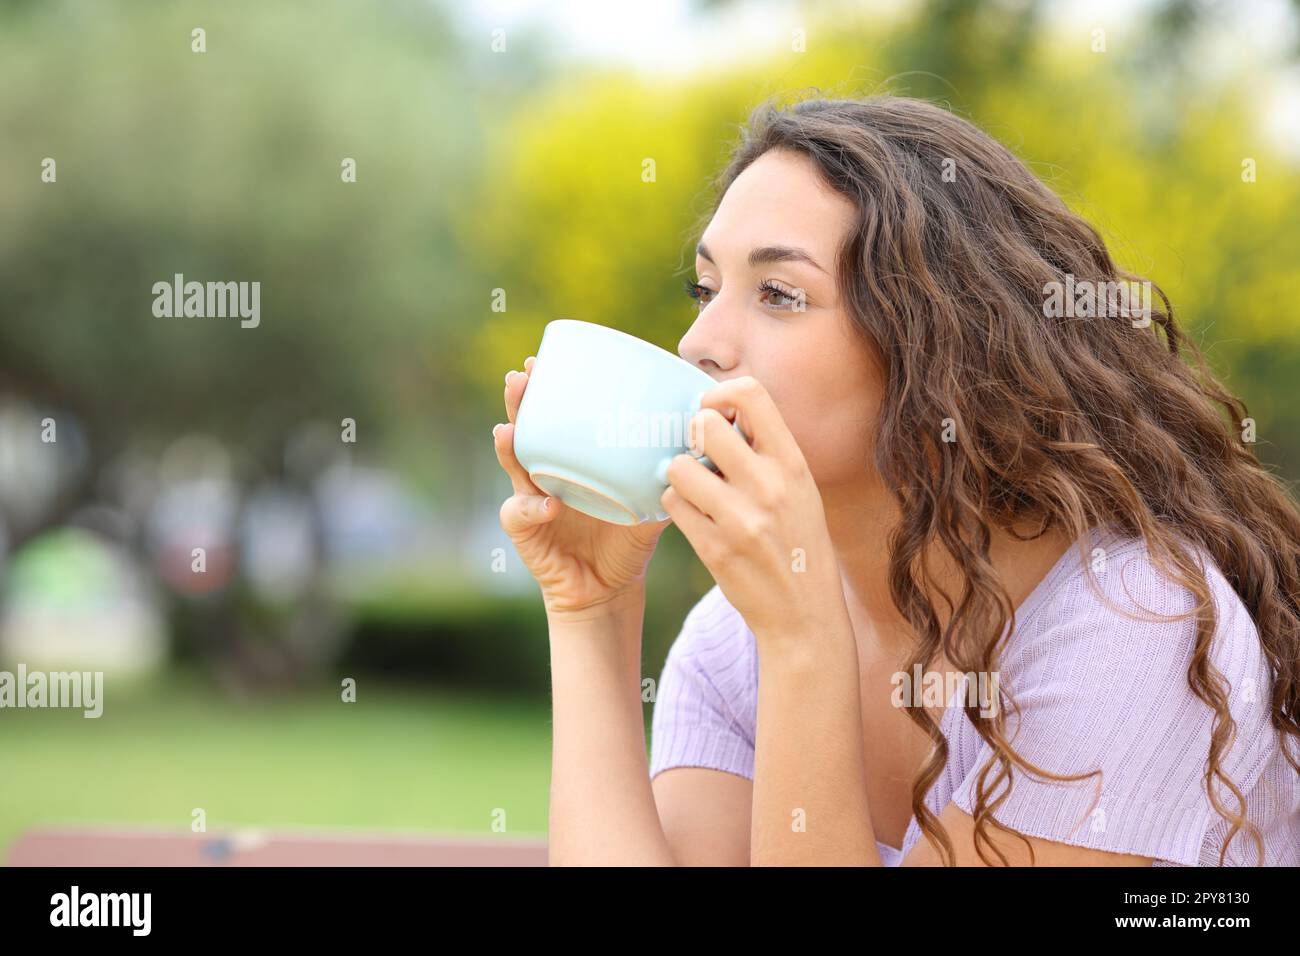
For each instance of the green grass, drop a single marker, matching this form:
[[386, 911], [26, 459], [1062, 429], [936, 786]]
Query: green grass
[[403, 758]]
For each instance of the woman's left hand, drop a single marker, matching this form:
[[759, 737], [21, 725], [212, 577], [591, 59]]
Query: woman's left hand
[[759, 526]]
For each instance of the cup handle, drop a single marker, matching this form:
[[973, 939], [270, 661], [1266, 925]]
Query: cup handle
[[661, 472], [695, 407]]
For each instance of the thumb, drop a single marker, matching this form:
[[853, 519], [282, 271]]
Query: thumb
[[521, 512]]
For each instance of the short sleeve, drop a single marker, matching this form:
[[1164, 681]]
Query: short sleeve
[[1099, 689], [702, 695]]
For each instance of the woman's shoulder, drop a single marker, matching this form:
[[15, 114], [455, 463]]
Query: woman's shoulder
[[1118, 597], [1097, 671], [706, 703], [1116, 622], [715, 637]]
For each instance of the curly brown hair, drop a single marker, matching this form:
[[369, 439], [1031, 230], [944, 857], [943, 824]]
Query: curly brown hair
[[1064, 423]]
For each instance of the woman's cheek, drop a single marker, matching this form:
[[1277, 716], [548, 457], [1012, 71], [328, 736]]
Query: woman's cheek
[[833, 460], [838, 447]]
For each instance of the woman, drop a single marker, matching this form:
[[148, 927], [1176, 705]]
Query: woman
[[947, 474]]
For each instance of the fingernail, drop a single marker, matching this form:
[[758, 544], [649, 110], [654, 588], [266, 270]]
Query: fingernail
[[509, 373], [495, 428], [546, 504]]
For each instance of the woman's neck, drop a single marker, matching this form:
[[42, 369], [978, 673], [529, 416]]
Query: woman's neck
[[860, 535]]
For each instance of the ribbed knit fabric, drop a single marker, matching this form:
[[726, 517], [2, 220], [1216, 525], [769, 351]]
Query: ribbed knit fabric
[[1099, 687]]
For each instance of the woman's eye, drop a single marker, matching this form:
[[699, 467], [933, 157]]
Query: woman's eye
[[702, 295], [778, 298]]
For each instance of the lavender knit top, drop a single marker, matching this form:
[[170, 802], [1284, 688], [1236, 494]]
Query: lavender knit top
[[1097, 689]]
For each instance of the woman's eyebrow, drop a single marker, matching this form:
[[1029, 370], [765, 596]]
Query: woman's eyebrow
[[763, 254]]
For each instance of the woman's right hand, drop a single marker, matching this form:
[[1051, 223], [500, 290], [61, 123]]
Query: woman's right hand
[[579, 561]]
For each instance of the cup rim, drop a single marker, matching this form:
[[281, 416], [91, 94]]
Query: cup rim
[[630, 337]]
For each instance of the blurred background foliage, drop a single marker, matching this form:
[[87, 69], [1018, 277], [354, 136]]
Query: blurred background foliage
[[481, 173]]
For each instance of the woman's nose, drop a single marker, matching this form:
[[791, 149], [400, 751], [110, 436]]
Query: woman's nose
[[705, 345]]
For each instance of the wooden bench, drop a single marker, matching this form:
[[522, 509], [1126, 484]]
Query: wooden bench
[[127, 846]]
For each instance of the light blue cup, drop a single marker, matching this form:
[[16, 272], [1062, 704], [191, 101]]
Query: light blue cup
[[602, 416]]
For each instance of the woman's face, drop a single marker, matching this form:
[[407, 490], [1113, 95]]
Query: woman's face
[[779, 225]]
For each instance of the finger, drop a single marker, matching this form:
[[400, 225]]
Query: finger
[[762, 421], [695, 525], [700, 486], [528, 363], [710, 434], [516, 382], [521, 512], [503, 440]]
